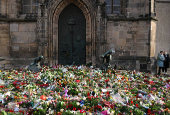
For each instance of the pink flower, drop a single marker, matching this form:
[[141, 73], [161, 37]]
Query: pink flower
[[151, 82], [54, 67], [104, 112], [154, 88]]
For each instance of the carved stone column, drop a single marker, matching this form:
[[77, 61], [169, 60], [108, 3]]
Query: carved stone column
[[100, 40], [19, 7], [42, 32]]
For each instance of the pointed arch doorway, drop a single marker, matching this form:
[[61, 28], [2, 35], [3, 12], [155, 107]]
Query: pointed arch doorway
[[72, 36]]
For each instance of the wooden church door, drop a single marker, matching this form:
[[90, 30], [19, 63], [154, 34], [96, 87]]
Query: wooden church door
[[72, 36]]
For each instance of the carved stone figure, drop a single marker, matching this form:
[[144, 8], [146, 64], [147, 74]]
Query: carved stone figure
[[35, 65], [106, 60]]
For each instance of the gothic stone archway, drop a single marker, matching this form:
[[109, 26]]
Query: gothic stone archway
[[55, 9], [72, 36]]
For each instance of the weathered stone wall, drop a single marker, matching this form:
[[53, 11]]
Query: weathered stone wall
[[4, 39], [11, 9], [4, 44], [131, 34], [3, 8], [163, 26], [129, 40], [138, 8], [23, 44]]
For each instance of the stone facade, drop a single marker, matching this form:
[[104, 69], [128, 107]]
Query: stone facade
[[163, 28], [131, 34]]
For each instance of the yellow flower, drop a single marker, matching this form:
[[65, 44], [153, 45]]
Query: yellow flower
[[61, 110], [78, 103], [113, 111], [0, 70], [48, 103]]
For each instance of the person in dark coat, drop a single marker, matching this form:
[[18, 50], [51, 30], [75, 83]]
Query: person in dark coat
[[160, 61], [166, 62]]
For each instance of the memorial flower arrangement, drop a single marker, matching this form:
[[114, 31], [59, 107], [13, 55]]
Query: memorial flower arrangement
[[68, 90]]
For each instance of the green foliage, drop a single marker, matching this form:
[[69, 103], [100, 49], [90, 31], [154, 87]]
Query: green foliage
[[84, 93], [80, 114], [155, 107], [27, 104], [11, 114], [92, 102], [144, 86], [125, 109], [3, 113], [167, 104], [134, 90], [73, 85], [57, 89], [138, 111], [73, 92], [80, 72], [58, 106], [40, 112], [44, 106], [67, 113], [143, 108], [60, 72]]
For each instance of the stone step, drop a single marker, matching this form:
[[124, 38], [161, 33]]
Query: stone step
[[168, 71], [8, 66]]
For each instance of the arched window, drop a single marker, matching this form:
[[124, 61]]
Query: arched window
[[30, 6], [115, 6]]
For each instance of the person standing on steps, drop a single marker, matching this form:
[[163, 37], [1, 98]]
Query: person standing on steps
[[160, 62], [166, 62]]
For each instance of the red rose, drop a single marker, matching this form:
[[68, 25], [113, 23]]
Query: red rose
[[108, 93], [17, 87], [1, 86], [137, 105], [74, 109], [82, 111], [77, 81], [149, 111], [12, 111], [88, 94]]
